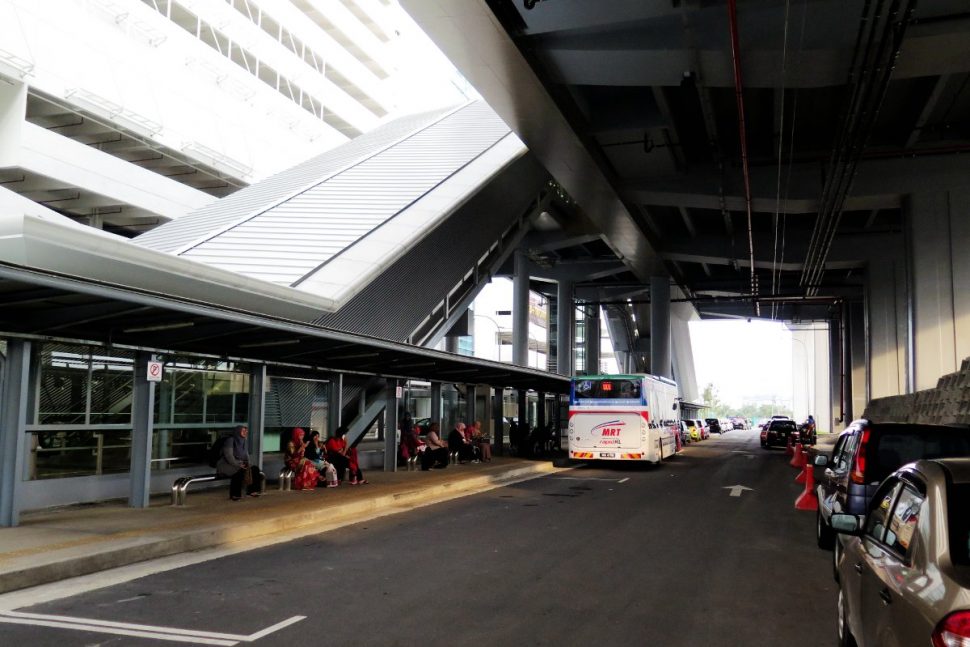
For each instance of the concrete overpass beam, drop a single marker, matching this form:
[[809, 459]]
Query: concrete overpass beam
[[938, 226], [660, 326]]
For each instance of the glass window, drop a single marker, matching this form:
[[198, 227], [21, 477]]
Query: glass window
[[958, 502], [82, 452], [905, 517], [879, 508], [112, 387], [63, 385], [848, 450]]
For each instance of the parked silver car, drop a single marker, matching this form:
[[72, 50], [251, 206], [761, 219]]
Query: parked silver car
[[904, 572]]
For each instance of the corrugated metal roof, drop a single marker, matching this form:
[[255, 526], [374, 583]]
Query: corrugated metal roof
[[290, 239], [197, 226]]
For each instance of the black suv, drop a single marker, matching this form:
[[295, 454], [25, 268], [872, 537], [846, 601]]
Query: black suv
[[777, 432], [865, 454]]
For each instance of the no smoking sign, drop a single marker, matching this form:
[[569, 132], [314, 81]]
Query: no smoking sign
[[154, 371]]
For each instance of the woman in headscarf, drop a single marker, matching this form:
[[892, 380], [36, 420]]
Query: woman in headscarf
[[338, 452], [234, 463], [316, 453], [305, 475]]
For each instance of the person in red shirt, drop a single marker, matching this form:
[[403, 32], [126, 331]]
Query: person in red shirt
[[338, 452]]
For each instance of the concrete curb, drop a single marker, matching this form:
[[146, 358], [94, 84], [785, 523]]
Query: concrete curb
[[163, 542]]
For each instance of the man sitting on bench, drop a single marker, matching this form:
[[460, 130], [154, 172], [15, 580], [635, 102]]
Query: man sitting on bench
[[234, 463]]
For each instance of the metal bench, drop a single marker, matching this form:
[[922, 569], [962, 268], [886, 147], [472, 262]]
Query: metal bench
[[181, 486]]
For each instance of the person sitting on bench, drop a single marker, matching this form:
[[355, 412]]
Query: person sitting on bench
[[234, 463], [338, 452], [436, 452], [459, 444]]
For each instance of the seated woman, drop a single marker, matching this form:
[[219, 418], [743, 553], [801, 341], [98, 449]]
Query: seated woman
[[482, 441], [436, 450], [353, 466], [338, 452], [234, 463], [458, 443], [316, 453], [305, 475]]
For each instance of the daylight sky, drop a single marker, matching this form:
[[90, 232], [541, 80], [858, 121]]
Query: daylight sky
[[746, 361]]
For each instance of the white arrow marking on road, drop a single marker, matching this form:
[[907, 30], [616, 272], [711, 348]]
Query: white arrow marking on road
[[736, 490]]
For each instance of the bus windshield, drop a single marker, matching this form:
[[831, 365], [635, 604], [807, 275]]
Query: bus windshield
[[606, 389]]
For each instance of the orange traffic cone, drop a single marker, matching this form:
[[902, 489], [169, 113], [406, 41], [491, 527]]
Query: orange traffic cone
[[807, 499], [801, 475], [798, 460]]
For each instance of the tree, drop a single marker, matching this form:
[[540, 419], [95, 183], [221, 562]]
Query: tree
[[715, 408]]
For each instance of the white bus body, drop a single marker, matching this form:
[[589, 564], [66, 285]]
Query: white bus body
[[623, 418]]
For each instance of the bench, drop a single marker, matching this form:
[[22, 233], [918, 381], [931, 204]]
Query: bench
[[181, 486]]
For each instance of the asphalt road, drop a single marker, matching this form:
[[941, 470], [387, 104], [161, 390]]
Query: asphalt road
[[599, 555]]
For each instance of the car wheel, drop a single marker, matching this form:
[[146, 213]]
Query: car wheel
[[824, 535], [845, 635]]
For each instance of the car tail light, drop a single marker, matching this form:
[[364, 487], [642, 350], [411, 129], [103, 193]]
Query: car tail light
[[953, 631], [859, 469]]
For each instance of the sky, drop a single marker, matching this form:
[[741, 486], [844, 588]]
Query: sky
[[746, 361]]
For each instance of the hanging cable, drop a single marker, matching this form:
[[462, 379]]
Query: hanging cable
[[739, 92], [781, 145]]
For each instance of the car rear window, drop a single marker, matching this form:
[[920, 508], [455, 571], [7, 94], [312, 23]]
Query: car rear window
[[958, 500], [782, 425], [891, 448]]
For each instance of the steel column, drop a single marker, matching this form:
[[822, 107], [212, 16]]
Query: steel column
[[592, 340], [14, 386], [335, 404], [498, 420], [257, 413], [565, 325], [436, 402], [142, 418], [390, 426]]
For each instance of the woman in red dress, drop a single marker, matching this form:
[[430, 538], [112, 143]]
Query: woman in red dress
[[305, 475]]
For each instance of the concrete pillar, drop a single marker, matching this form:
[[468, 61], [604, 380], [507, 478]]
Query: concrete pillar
[[520, 310], [541, 410], [682, 351], [660, 326], [13, 111], [592, 340], [938, 231], [837, 414], [390, 425], [854, 346], [257, 413], [498, 420], [565, 328], [335, 403], [887, 299], [14, 385], [142, 419]]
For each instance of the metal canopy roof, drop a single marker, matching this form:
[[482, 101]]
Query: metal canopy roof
[[46, 305]]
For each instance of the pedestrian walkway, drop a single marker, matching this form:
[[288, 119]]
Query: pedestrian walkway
[[53, 545]]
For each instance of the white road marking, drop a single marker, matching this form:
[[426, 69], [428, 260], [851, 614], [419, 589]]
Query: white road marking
[[624, 480], [736, 490], [142, 631], [588, 478]]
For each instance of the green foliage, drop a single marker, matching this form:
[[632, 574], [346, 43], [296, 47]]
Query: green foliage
[[717, 409]]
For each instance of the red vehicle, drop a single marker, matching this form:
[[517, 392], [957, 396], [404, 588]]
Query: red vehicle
[[777, 432]]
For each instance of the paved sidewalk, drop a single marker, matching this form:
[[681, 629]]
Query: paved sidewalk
[[54, 545]]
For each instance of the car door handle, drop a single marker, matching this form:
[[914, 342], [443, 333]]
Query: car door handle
[[887, 598], [858, 568]]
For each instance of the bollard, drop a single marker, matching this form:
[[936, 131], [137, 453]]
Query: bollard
[[286, 479], [807, 499], [798, 460]]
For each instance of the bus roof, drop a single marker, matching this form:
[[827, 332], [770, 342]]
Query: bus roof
[[624, 376]]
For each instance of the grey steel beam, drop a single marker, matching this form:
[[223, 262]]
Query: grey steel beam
[[660, 363], [335, 402], [257, 413], [498, 420], [520, 310], [14, 387], [436, 402], [565, 325], [142, 418], [390, 426]]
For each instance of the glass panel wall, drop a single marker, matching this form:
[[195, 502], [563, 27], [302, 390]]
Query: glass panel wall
[[293, 402], [197, 401], [80, 423]]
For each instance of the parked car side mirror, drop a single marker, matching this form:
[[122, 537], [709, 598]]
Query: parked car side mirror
[[822, 460], [848, 524]]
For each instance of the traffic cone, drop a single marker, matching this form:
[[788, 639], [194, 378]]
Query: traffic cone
[[798, 460], [801, 475], [788, 447], [807, 499]]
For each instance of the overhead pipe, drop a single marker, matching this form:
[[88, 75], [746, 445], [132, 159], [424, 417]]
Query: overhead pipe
[[866, 100], [742, 133]]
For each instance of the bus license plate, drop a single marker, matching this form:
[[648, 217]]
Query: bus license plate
[[607, 455]]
